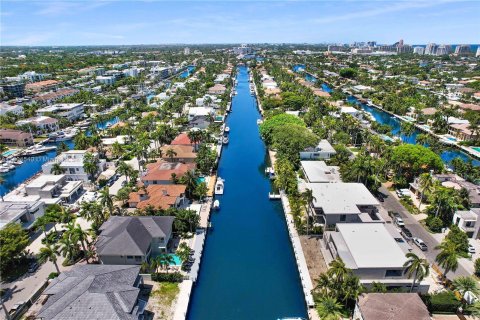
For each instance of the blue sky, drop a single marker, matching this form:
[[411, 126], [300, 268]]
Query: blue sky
[[101, 22]]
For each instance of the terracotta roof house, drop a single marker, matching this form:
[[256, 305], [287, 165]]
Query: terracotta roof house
[[94, 292], [217, 89], [390, 306], [182, 140], [462, 131], [161, 172], [183, 154], [51, 97], [42, 85], [132, 240], [158, 196], [17, 138]]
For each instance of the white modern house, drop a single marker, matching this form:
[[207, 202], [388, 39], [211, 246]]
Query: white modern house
[[23, 212], [199, 112], [344, 203], [72, 163], [106, 80], [322, 151], [466, 220], [320, 172], [71, 111], [6, 108], [43, 123], [375, 252]]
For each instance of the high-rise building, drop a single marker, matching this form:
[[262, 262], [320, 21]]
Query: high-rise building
[[478, 52], [418, 50], [186, 51], [404, 49], [14, 90], [372, 43], [462, 49], [400, 43], [431, 49], [442, 50]]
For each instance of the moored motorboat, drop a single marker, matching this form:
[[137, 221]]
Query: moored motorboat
[[227, 129], [216, 205], [219, 186], [225, 140]]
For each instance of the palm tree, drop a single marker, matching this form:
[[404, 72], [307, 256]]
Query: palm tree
[[464, 284], [448, 256], [68, 247], [427, 184], [124, 169], [417, 267], [117, 149], [171, 154], [41, 223], [90, 164], [57, 169], [308, 198], [407, 129], [76, 232], [329, 308], [106, 199], [190, 179], [183, 251], [48, 253]]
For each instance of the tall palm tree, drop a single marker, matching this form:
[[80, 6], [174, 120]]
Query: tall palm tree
[[124, 169], [329, 308], [76, 232], [68, 247], [57, 169], [190, 179], [106, 199], [427, 184], [417, 267], [41, 223], [308, 198], [464, 284], [90, 164], [448, 256], [48, 253]]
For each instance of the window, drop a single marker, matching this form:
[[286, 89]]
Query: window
[[138, 258], [393, 273], [343, 217], [469, 224], [129, 257]]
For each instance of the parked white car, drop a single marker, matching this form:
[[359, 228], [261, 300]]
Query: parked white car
[[419, 243]]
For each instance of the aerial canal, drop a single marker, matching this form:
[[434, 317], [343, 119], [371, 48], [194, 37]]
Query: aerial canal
[[248, 267]]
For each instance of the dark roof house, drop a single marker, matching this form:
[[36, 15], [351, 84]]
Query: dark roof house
[[90, 292]]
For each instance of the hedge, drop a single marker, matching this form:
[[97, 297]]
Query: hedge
[[167, 277], [442, 302]]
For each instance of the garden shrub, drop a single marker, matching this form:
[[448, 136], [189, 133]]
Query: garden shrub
[[167, 277], [442, 302]]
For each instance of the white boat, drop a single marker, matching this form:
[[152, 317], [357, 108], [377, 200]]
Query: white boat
[[227, 129], [37, 149], [216, 205], [219, 186], [17, 161], [225, 140], [259, 121], [3, 170]]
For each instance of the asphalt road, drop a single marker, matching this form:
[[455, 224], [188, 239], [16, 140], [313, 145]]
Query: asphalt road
[[392, 204]]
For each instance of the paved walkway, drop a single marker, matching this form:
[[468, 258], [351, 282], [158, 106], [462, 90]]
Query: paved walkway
[[205, 213], [198, 242], [183, 299]]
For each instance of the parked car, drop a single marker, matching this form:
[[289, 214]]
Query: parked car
[[399, 222], [471, 249], [419, 243], [403, 193], [33, 267], [406, 233]]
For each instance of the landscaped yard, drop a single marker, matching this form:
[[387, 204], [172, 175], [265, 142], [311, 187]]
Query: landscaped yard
[[162, 299]]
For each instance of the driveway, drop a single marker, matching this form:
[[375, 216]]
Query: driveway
[[392, 204]]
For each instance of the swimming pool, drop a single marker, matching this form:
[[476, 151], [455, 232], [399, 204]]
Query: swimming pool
[[176, 260], [9, 152], [476, 149], [201, 179]]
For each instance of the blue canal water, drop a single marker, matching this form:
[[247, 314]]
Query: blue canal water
[[248, 267], [384, 118], [103, 125], [30, 166], [187, 72]]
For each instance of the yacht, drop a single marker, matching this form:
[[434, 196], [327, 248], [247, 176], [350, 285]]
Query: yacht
[[219, 186], [3, 170], [225, 140], [259, 121], [16, 161], [37, 149], [227, 129], [216, 205]]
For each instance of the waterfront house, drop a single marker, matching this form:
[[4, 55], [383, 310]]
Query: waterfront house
[[467, 221], [42, 86], [43, 123], [94, 292], [49, 188], [391, 306], [181, 140], [375, 252], [462, 131], [344, 203], [184, 154], [320, 172], [161, 172], [23, 212], [158, 196], [132, 240], [72, 162], [70, 111], [11, 137], [323, 150]]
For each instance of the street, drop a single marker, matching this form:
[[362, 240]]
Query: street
[[392, 204]]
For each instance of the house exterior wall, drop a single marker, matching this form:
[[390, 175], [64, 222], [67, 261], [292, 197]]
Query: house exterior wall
[[121, 260]]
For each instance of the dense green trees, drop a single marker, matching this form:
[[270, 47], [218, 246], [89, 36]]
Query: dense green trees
[[268, 126], [13, 241]]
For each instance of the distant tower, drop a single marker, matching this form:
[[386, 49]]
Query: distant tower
[[418, 50], [431, 49], [478, 52], [400, 43], [462, 49], [186, 51]]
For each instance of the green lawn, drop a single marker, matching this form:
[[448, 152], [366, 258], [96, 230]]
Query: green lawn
[[166, 292]]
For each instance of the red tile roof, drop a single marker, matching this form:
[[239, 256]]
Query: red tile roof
[[182, 139], [158, 196], [162, 170]]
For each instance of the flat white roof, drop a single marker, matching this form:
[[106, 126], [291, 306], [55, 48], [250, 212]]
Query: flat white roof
[[45, 178], [319, 172], [370, 245], [324, 145], [341, 198]]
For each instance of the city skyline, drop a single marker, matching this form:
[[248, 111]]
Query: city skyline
[[34, 23]]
